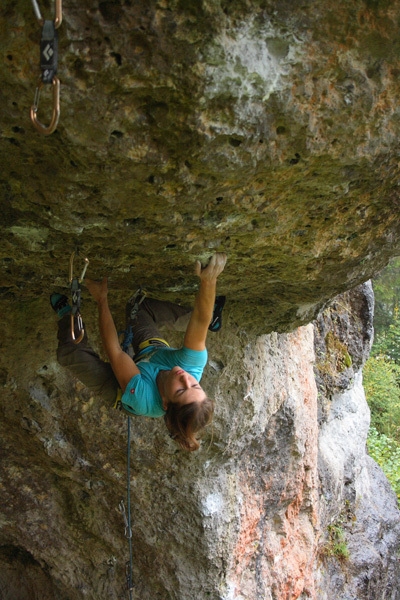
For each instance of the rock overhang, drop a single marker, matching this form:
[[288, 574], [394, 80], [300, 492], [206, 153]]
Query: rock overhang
[[265, 131]]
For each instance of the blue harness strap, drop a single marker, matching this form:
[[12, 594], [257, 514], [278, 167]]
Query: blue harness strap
[[128, 339]]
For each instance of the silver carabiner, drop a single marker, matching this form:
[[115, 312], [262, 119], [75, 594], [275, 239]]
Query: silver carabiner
[[71, 268], [76, 300]]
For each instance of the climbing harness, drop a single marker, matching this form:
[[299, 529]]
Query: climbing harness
[[48, 65], [127, 517], [76, 299]]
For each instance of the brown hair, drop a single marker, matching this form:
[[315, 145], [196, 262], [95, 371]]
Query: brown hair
[[183, 421]]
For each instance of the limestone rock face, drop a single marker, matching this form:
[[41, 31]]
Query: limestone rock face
[[265, 129], [355, 500], [255, 513]]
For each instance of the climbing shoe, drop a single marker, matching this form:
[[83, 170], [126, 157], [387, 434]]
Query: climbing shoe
[[59, 303], [216, 321]]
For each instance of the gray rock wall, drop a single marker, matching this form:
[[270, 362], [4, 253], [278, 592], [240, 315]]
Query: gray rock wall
[[256, 513], [265, 129], [358, 508]]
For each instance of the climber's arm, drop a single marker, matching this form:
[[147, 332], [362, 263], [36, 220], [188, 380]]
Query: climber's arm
[[123, 366], [197, 329]]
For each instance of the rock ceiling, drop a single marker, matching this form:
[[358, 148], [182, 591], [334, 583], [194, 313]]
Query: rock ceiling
[[265, 129]]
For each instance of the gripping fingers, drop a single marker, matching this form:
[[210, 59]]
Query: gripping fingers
[[220, 261], [214, 268]]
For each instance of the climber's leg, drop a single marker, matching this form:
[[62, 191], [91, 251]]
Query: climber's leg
[[149, 314], [167, 314], [176, 317], [144, 316], [83, 362]]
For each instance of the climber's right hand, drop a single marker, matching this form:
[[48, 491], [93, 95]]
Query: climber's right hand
[[97, 289]]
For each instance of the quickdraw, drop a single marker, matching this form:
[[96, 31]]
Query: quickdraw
[[76, 300], [48, 65]]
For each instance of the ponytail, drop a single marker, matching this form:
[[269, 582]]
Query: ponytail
[[184, 421]]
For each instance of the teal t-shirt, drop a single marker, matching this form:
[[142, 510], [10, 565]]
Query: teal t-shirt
[[141, 396]]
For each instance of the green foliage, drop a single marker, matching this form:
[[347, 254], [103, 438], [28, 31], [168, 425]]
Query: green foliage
[[387, 296], [337, 545], [386, 452], [387, 342], [381, 377]]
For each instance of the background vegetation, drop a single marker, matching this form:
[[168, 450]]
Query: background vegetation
[[382, 375]]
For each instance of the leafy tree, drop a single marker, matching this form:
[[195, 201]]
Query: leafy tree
[[386, 452], [387, 296], [387, 342], [381, 376]]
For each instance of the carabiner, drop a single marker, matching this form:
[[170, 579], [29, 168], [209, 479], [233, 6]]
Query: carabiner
[[71, 268], [76, 300], [48, 65], [57, 14], [56, 108], [80, 328]]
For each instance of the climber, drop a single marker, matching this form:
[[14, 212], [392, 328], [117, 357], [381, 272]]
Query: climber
[[158, 380]]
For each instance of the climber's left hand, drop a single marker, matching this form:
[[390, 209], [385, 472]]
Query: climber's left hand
[[214, 268]]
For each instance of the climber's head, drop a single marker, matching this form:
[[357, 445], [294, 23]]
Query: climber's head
[[188, 409], [184, 421]]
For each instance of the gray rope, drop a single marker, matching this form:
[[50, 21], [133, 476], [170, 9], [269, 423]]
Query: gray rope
[[136, 300], [128, 499], [127, 516]]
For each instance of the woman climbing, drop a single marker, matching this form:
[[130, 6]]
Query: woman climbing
[[159, 380]]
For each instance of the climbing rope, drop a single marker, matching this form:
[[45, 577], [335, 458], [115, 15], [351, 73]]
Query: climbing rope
[[127, 515], [48, 65], [127, 346]]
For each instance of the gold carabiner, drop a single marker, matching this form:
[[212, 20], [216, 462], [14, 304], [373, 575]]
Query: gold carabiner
[[57, 13], [56, 108]]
